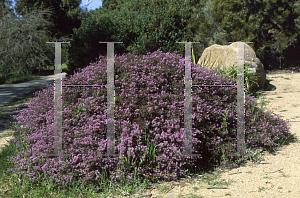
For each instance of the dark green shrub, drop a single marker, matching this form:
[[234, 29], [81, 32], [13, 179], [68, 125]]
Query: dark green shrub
[[85, 43], [142, 26]]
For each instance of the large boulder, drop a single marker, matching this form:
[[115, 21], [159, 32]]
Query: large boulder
[[226, 56]]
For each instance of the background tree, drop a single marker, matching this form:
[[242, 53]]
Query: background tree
[[270, 25], [64, 13], [5, 8], [23, 45], [111, 4], [143, 26], [203, 27], [121, 4], [66, 16], [291, 53], [73, 16], [278, 30], [214, 34]]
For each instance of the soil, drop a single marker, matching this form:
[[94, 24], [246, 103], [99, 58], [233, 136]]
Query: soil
[[274, 176]]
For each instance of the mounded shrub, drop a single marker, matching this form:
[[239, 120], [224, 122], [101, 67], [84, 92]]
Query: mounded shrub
[[148, 87]]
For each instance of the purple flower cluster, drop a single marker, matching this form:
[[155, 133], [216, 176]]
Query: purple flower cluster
[[149, 113]]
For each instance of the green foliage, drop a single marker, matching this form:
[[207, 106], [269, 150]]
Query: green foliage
[[291, 54], [66, 14], [297, 10], [272, 26], [5, 6], [110, 4], [142, 26], [24, 42], [84, 44], [23, 46], [250, 78], [202, 27]]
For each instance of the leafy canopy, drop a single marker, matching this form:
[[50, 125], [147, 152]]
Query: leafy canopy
[[143, 26]]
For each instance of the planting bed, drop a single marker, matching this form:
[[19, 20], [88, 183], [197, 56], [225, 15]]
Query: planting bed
[[186, 188]]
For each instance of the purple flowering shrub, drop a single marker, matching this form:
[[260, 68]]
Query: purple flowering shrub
[[149, 113]]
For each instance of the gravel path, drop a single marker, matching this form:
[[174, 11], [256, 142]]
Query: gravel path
[[9, 91]]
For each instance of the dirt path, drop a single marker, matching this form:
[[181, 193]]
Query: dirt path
[[275, 176], [9, 91]]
